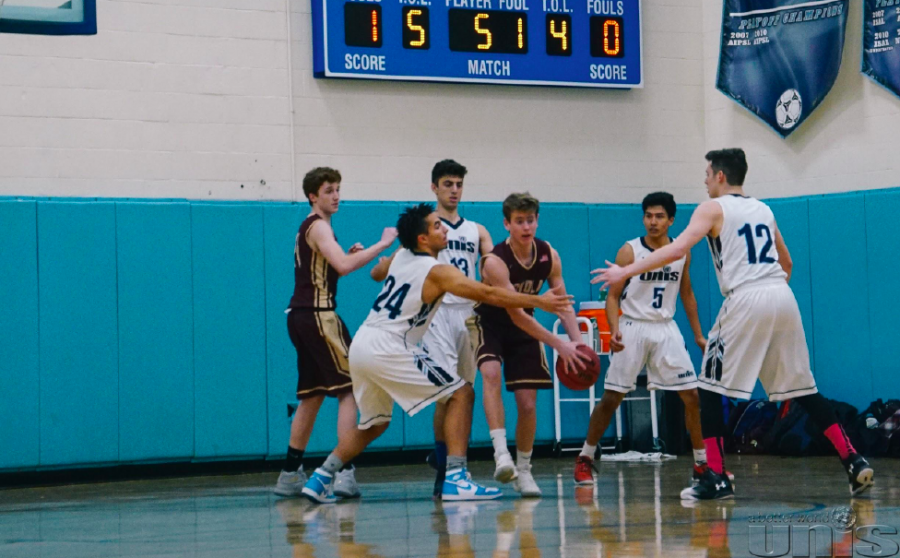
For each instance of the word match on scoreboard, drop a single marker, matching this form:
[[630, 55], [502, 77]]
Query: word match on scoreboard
[[576, 43]]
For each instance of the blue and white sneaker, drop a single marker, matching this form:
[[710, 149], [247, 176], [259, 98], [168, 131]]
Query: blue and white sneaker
[[458, 486], [320, 487]]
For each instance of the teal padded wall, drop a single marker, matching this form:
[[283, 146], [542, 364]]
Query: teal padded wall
[[19, 347], [884, 303], [281, 222], [840, 299], [229, 331], [156, 349], [155, 331], [78, 333]]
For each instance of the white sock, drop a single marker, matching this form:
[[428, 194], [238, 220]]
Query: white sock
[[498, 437], [700, 456], [588, 450], [523, 459]]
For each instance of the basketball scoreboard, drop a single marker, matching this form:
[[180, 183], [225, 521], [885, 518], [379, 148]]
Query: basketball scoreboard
[[576, 43]]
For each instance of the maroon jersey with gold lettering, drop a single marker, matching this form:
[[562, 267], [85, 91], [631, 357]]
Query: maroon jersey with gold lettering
[[315, 281], [527, 279]]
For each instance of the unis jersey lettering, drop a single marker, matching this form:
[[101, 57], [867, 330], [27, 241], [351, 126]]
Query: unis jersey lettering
[[399, 308], [652, 295], [527, 279], [744, 251], [315, 281], [462, 252]]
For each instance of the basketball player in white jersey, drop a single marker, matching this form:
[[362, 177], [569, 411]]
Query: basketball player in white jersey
[[388, 363], [447, 338], [758, 333], [647, 336]]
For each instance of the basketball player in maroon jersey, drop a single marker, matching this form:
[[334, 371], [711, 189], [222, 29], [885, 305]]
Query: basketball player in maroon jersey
[[513, 338], [317, 332]]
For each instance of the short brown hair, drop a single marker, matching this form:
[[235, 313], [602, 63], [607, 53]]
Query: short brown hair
[[316, 177], [732, 162], [523, 202]]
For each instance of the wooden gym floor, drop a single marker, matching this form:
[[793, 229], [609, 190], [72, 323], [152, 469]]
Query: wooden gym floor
[[634, 510]]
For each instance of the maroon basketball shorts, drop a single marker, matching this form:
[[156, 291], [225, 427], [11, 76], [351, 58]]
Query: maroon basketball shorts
[[322, 342], [522, 356]]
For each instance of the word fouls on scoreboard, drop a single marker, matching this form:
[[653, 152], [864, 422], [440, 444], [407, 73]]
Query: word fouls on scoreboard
[[487, 31]]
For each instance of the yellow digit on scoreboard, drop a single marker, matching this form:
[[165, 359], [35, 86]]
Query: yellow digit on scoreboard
[[489, 38], [415, 28], [519, 27], [562, 34]]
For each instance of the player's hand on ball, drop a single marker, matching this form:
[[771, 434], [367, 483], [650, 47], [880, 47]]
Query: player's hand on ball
[[358, 247], [615, 342], [574, 360], [388, 236], [554, 302], [611, 275]]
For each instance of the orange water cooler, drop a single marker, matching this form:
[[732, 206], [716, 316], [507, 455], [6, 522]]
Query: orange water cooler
[[596, 311]]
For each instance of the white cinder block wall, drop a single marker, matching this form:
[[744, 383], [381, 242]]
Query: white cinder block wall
[[562, 144], [194, 99], [172, 99]]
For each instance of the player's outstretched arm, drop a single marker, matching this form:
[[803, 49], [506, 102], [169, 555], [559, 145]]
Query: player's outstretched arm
[[380, 270], [702, 222], [624, 257], [690, 304], [321, 238], [445, 278], [784, 257]]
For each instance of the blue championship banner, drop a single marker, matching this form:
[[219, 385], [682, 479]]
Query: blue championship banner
[[881, 42], [779, 58]]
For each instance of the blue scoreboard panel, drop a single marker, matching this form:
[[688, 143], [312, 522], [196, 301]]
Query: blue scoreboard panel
[[576, 43]]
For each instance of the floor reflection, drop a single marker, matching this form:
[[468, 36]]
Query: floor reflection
[[633, 510]]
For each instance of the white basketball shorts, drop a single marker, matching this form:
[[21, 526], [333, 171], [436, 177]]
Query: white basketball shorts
[[384, 370], [656, 346], [449, 343], [758, 334]]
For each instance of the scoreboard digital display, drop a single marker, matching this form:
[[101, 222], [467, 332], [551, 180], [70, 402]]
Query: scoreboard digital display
[[576, 43]]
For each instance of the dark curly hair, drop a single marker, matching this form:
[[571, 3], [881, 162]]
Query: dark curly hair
[[412, 223]]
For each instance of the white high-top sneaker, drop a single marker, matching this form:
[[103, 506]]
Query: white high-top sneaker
[[525, 484]]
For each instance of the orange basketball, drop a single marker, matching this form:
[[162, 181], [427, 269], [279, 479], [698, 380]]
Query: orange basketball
[[581, 379]]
